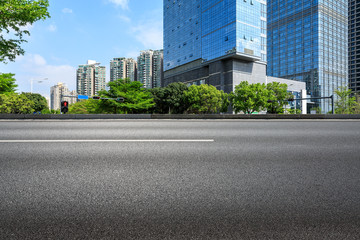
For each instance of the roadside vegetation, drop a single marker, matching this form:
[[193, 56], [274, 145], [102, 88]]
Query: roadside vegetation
[[176, 98]]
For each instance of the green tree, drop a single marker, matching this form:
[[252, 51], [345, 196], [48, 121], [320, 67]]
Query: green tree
[[204, 99], [137, 99], [15, 15], [277, 96], [170, 99], [16, 104], [249, 98], [85, 107], [345, 103], [40, 102], [7, 83]]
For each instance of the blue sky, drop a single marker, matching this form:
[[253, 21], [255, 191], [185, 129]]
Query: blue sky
[[81, 30]]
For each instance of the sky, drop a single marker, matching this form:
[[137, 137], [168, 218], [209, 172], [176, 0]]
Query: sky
[[81, 30]]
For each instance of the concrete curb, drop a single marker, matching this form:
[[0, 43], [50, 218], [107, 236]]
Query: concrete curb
[[177, 116]]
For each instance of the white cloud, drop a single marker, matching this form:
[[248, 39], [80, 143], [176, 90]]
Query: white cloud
[[67, 10], [34, 66], [124, 18], [149, 33], [52, 28], [124, 4], [38, 60]]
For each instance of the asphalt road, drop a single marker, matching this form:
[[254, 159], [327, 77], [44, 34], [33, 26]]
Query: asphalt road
[[199, 180]]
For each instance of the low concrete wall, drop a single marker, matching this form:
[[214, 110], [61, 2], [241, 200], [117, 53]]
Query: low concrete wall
[[178, 116]]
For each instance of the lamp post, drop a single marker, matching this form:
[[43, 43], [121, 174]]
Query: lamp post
[[38, 80]]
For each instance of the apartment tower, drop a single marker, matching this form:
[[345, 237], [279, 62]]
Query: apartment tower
[[90, 78], [150, 68]]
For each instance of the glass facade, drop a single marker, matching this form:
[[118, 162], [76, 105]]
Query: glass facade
[[211, 29], [307, 41], [354, 45]]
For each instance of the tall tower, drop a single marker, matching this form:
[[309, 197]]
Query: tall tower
[[217, 42], [91, 78], [354, 45], [121, 68], [150, 68], [158, 59], [117, 69], [131, 69], [307, 41]]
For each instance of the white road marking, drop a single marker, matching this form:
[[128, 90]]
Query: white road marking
[[105, 140]]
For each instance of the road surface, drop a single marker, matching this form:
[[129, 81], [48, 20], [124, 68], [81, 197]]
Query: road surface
[[174, 179]]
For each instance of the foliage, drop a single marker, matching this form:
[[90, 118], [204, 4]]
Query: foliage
[[85, 107], [249, 98], [277, 96], [40, 102], [294, 111], [345, 104], [204, 99], [16, 104], [50, 111], [170, 99], [137, 99], [7, 83], [15, 15]]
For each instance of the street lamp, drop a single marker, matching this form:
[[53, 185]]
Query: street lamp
[[38, 80]]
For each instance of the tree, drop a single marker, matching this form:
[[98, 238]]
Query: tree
[[15, 15], [345, 104], [137, 99], [170, 99], [249, 98], [204, 99], [16, 104], [85, 107], [7, 83], [40, 102], [277, 96]]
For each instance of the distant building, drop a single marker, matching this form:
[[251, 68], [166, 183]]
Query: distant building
[[131, 69], [354, 45], [90, 78], [121, 68], [150, 68], [56, 96]]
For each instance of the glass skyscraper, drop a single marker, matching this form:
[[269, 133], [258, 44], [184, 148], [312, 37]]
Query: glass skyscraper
[[307, 41], [354, 45], [217, 42]]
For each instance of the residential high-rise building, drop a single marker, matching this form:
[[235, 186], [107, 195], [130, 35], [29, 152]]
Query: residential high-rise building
[[91, 78], [354, 45], [131, 69], [216, 42], [117, 69], [150, 70], [121, 68], [158, 65], [58, 93], [307, 41]]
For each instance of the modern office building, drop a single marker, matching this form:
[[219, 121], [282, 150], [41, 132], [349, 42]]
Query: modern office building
[[57, 94], [150, 68], [307, 41], [354, 45], [121, 68], [90, 78], [215, 42]]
